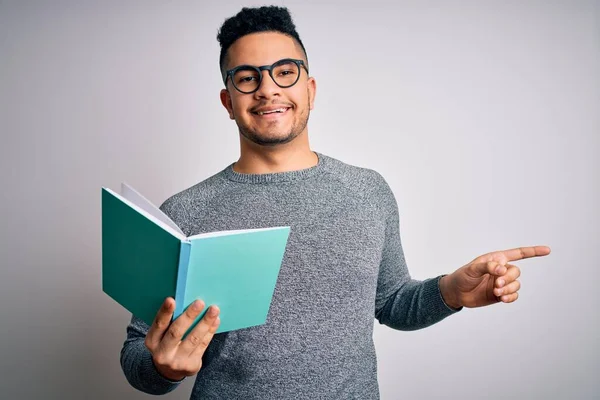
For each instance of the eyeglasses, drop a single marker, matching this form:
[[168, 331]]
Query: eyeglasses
[[247, 78]]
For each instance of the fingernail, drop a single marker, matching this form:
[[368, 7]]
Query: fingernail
[[197, 305], [501, 282]]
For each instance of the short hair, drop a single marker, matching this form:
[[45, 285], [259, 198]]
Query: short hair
[[254, 20]]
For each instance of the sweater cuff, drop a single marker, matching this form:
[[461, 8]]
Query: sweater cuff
[[154, 378], [452, 310]]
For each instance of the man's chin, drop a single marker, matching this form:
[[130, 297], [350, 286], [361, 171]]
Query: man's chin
[[269, 141]]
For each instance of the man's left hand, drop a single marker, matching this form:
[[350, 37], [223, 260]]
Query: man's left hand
[[488, 279]]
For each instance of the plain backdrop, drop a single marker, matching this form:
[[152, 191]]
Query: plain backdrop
[[483, 116]]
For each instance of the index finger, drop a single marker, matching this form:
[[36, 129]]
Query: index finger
[[161, 323], [521, 253], [179, 327]]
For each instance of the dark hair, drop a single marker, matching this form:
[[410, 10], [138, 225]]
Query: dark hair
[[253, 20]]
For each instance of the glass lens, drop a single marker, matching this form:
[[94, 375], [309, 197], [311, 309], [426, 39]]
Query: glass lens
[[286, 73], [246, 79]]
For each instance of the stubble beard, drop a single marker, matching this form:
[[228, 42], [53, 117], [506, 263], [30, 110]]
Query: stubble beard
[[296, 129]]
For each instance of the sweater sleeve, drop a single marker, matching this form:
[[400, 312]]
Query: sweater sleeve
[[401, 302], [137, 364]]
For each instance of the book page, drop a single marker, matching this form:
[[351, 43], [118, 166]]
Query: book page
[[233, 232], [133, 196]]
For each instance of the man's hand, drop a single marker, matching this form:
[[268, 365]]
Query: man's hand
[[488, 279], [174, 357]]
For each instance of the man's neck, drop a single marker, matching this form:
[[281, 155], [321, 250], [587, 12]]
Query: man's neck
[[255, 159]]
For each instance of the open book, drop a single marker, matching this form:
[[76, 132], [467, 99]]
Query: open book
[[146, 258]]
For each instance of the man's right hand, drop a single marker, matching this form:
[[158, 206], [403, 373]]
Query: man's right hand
[[174, 357]]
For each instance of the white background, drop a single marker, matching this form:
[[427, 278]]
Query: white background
[[483, 117]]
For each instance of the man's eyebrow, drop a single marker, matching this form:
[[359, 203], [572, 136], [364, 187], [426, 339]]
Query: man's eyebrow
[[264, 65]]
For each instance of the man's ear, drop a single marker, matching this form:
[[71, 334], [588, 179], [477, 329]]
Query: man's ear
[[312, 92], [226, 101]]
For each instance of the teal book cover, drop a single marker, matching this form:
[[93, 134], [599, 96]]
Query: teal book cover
[[146, 258]]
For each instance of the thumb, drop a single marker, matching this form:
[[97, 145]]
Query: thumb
[[488, 267]]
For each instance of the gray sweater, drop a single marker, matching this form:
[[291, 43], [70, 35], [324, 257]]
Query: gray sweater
[[343, 267]]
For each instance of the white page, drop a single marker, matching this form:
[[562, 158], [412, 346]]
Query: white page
[[146, 214], [133, 196], [235, 232]]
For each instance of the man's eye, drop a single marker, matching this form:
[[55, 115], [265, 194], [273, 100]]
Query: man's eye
[[246, 79]]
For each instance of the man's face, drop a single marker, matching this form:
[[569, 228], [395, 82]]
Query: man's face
[[269, 129]]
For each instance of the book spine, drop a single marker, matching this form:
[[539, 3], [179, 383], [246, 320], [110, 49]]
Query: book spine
[[182, 270]]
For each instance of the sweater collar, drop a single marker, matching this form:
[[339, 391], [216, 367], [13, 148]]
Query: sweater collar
[[277, 177]]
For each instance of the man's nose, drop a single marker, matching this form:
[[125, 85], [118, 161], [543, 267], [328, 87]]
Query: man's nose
[[268, 87]]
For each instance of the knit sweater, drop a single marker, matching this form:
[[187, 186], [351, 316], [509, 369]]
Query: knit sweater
[[343, 268]]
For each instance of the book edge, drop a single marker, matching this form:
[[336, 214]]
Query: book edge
[[206, 235], [182, 272]]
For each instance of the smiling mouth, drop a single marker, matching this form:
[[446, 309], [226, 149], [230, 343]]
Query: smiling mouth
[[276, 111]]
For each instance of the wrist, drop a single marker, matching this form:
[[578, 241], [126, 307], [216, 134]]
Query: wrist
[[168, 374], [448, 292]]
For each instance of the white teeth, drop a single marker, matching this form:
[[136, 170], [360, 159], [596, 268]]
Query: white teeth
[[279, 110]]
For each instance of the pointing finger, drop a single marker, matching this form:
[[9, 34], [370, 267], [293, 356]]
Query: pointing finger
[[521, 253]]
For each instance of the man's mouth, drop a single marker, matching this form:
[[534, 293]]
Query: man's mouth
[[280, 110]]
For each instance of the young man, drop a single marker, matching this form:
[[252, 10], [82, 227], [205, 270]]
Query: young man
[[343, 266]]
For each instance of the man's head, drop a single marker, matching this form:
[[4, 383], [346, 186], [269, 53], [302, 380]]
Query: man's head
[[267, 110]]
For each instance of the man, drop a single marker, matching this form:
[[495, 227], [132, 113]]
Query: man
[[343, 265]]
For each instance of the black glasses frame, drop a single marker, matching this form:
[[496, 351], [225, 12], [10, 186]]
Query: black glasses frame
[[231, 72]]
